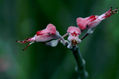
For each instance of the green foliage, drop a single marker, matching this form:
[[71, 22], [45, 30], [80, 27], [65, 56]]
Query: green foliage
[[20, 19]]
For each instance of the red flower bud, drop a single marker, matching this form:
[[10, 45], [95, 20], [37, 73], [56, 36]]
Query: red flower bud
[[44, 35], [94, 20]]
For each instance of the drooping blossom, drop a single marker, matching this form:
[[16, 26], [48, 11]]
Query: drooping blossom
[[73, 36], [93, 20], [46, 35]]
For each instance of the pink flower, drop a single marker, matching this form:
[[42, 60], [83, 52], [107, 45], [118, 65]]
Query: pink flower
[[74, 31], [73, 37], [44, 35], [94, 20], [50, 29]]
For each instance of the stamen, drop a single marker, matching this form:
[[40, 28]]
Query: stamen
[[115, 11], [21, 41], [27, 46]]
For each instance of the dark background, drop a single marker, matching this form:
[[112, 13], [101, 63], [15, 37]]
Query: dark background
[[20, 19]]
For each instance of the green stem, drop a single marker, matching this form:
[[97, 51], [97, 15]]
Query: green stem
[[81, 72], [84, 36]]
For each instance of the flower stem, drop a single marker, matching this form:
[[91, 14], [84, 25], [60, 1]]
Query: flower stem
[[81, 72], [84, 36]]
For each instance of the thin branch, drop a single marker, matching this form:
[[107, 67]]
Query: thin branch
[[63, 40], [84, 36], [64, 35]]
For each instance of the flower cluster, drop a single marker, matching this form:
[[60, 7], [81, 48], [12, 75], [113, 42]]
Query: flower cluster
[[50, 36]]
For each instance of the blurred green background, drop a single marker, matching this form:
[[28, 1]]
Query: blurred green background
[[20, 19]]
